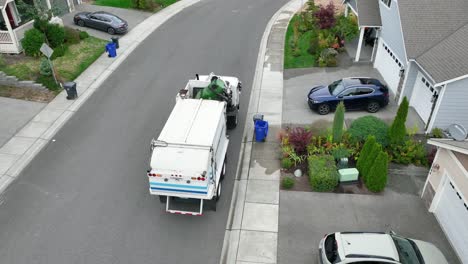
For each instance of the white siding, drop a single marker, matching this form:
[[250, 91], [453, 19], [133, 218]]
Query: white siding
[[391, 30]]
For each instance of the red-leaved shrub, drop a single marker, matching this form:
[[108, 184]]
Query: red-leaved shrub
[[326, 16], [299, 138]]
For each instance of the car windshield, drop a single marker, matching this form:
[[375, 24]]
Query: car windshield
[[406, 251], [336, 87]]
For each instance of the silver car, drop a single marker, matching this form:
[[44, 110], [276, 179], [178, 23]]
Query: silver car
[[101, 20], [367, 247]]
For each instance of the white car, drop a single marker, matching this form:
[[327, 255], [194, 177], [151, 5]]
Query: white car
[[376, 248]]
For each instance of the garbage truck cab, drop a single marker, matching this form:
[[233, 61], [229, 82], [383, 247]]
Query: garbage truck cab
[[216, 87], [188, 160]]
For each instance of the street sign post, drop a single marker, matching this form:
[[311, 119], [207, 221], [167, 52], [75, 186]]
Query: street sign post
[[47, 51]]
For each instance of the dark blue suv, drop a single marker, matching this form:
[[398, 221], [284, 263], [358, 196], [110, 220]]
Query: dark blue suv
[[356, 93]]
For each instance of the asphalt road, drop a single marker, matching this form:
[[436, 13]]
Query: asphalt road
[[84, 198]]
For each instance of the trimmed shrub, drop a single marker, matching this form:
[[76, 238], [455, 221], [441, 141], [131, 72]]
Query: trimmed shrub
[[59, 52], [140, 4], [55, 35], [397, 131], [286, 163], [44, 67], [377, 176], [338, 122], [323, 174], [32, 42], [368, 162], [41, 24], [287, 183], [72, 36], [365, 151], [364, 126], [84, 35], [299, 138]]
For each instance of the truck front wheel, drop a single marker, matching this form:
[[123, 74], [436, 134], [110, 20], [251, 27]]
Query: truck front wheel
[[223, 170], [232, 121], [162, 198]]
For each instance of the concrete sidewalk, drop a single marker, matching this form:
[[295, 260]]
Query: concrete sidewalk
[[16, 154], [252, 228]]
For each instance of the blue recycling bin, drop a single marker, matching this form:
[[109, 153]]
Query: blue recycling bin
[[111, 49], [261, 130]]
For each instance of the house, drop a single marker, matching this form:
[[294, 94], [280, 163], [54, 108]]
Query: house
[[446, 192], [420, 50], [13, 23]]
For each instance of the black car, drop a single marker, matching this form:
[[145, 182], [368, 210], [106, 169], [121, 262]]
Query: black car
[[104, 21], [356, 93]]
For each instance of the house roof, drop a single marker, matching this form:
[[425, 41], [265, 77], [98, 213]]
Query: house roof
[[432, 31], [458, 146], [450, 51], [369, 14]]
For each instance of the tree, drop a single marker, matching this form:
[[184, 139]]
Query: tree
[[338, 121], [369, 161], [397, 131], [326, 16], [377, 176], [366, 149]]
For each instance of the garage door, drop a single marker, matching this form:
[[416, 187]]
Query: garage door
[[388, 65], [452, 213], [422, 97]]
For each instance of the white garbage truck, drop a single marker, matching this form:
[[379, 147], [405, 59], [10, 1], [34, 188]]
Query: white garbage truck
[[188, 160], [216, 87]]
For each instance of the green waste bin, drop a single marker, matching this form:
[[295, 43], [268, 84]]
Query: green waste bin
[[348, 175]]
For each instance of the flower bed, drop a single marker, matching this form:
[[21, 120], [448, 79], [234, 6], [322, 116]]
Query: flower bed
[[369, 145], [316, 35]]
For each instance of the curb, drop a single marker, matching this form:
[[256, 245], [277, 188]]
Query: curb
[[232, 234], [38, 132]]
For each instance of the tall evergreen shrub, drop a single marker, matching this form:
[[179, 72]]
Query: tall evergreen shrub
[[397, 131], [338, 123], [377, 176], [365, 152], [369, 161]]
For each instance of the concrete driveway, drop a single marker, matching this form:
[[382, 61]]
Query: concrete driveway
[[133, 17], [298, 82], [305, 217]]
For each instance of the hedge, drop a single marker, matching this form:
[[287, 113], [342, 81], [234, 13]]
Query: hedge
[[323, 174]]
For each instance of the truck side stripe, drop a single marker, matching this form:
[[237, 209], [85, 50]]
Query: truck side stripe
[[156, 184], [174, 190]]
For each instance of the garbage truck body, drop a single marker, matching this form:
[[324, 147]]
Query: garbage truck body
[[216, 87], [189, 157]]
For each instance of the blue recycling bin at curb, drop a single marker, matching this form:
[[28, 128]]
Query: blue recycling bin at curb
[[261, 130], [111, 49]]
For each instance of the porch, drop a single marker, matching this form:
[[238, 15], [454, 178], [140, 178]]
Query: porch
[[13, 24]]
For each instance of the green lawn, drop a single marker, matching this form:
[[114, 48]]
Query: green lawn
[[303, 58], [159, 4], [77, 58], [115, 3]]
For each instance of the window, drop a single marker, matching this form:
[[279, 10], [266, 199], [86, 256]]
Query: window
[[386, 2], [336, 87], [364, 91], [349, 92]]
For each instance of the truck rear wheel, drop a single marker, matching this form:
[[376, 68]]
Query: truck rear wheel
[[162, 198], [218, 192], [223, 170], [232, 121]]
